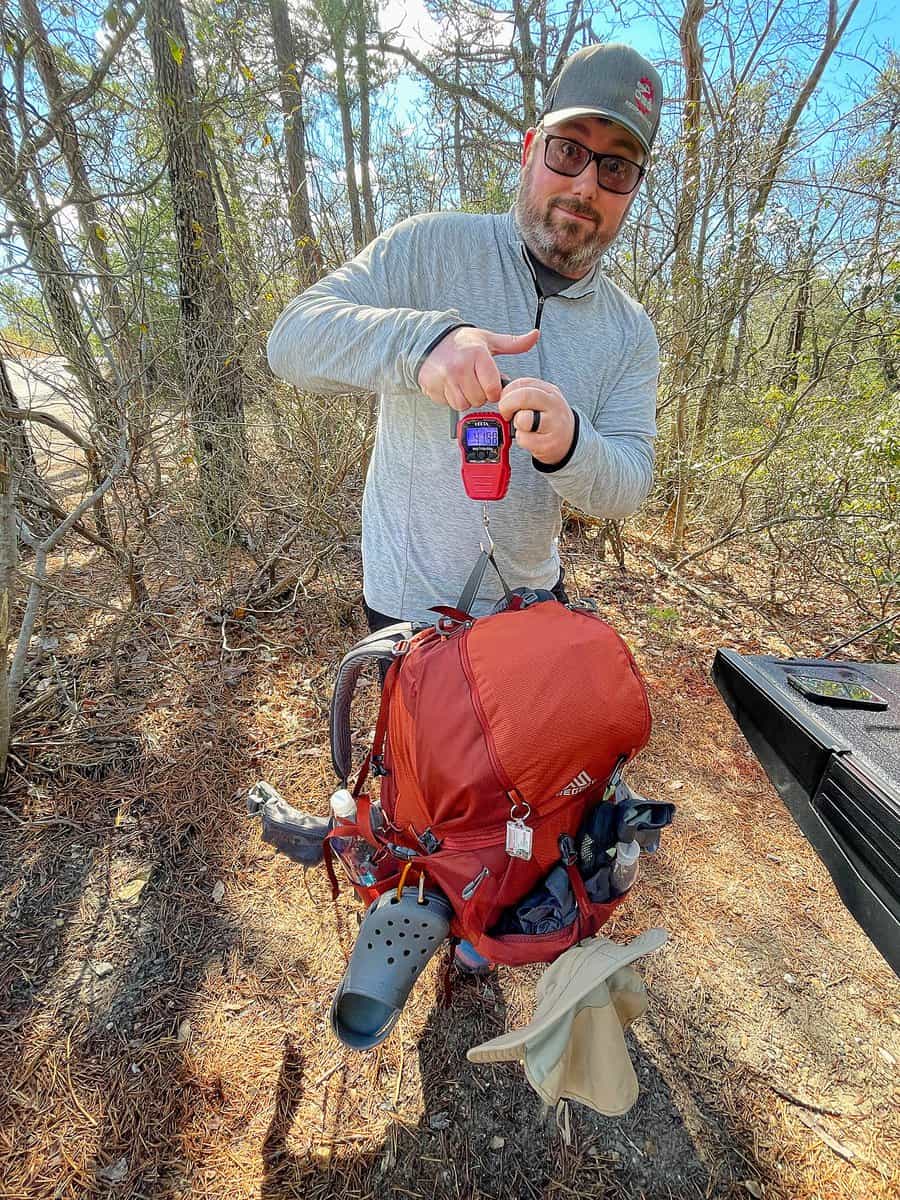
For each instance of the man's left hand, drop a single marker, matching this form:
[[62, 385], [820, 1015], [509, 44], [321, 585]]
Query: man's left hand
[[520, 400]]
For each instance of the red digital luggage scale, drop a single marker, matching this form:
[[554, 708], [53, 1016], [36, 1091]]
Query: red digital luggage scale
[[484, 441]]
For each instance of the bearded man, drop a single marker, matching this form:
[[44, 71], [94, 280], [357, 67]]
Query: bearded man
[[424, 313]]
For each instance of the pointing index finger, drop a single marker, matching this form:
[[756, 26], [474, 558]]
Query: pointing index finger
[[488, 376]]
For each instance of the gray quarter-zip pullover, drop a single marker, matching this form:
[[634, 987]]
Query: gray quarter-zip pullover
[[368, 325]]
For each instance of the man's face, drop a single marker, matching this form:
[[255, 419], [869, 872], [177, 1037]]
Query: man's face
[[568, 222]]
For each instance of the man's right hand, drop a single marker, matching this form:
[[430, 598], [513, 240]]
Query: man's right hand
[[460, 371]]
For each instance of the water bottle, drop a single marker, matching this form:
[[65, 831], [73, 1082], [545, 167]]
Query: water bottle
[[625, 867], [355, 853]]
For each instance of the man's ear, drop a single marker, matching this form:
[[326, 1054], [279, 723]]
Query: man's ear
[[530, 135]]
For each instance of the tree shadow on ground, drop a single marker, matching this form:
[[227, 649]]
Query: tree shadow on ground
[[485, 1133], [109, 935]]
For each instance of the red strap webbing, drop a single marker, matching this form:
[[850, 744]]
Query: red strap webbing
[[364, 819]]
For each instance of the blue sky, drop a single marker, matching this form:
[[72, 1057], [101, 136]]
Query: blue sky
[[875, 27]]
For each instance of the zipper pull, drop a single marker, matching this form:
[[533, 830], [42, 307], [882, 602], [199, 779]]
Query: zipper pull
[[474, 884]]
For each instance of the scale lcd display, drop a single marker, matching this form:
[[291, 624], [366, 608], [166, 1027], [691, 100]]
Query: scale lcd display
[[482, 435]]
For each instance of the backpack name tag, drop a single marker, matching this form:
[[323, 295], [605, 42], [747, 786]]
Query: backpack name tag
[[518, 839]]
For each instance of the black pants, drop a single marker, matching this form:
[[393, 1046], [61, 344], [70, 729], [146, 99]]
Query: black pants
[[379, 620]]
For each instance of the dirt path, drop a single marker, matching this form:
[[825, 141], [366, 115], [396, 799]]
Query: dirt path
[[42, 383], [166, 977]]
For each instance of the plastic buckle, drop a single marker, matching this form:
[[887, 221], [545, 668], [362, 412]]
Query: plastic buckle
[[403, 853], [567, 849], [430, 843]]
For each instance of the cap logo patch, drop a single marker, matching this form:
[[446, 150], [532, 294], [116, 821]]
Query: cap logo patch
[[643, 95]]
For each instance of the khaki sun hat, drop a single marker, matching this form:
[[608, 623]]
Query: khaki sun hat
[[574, 1047]]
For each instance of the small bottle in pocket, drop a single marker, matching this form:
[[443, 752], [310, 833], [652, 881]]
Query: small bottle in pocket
[[360, 860], [625, 867]]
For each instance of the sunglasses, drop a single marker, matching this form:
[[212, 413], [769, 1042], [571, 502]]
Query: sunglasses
[[614, 173]]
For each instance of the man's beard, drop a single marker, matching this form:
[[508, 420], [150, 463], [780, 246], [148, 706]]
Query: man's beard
[[564, 244]]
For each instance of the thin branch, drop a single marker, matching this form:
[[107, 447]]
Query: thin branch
[[73, 99], [44, 418], [452, 89], [56, 510], [41, 551]]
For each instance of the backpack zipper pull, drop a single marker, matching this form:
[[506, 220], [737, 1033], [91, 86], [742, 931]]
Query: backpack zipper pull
[[474, 884]]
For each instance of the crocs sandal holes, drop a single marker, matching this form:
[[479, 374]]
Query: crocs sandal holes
[[377, 981]]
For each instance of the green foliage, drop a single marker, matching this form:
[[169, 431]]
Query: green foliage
[[26, 327], [495, 198], [666, 618]]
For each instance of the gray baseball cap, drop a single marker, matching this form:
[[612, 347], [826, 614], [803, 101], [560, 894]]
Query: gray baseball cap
[[611, 81]]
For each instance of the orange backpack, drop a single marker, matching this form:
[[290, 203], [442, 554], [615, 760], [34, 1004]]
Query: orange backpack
[[495, 737]]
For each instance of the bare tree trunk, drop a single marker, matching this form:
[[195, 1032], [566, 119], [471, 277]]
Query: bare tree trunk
[[14, 434], [525, 63], [89, 215], [12, 427], [685, 282], [289, 86], [365, 138], [712, 391], [742, 313], [458, 162], [52, 270], [343, 100], [213, 373], [881, 191], [797, 329], [8, 558], [769, 174]]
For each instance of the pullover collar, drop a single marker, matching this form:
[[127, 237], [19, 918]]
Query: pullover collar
[[579, 288]]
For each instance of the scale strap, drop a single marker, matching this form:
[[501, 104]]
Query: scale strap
[[473, 583]]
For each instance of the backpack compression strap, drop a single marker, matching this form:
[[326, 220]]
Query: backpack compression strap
[[377, 647]]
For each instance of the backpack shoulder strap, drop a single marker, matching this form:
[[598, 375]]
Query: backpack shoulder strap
[[376, 647]]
